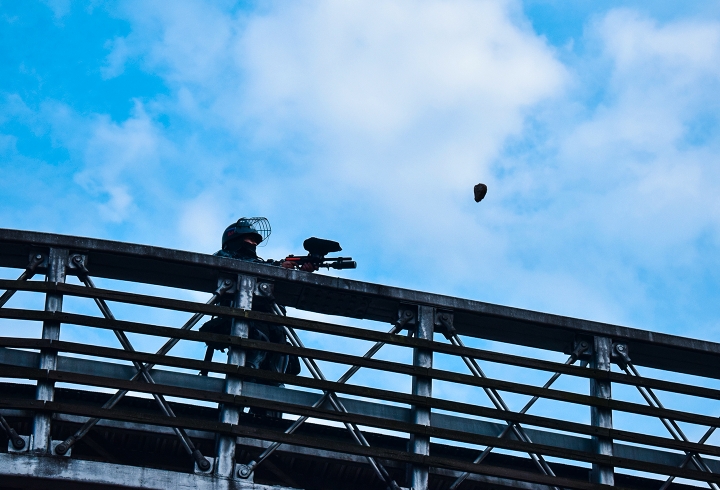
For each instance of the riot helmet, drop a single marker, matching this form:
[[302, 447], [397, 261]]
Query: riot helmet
[[234, 235]]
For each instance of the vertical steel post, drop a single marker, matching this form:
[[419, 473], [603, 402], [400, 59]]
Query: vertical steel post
[[57, 264], [601, 417], [225, 453], [422, 386]]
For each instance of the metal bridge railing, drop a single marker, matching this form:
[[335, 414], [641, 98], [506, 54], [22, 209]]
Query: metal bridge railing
[[443, 443]]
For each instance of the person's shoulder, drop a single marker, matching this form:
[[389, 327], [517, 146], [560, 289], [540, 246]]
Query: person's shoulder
[[223, 253]]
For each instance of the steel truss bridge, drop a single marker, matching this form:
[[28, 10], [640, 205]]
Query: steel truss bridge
[[98, 414]]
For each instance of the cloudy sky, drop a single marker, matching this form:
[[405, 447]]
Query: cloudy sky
[[593, 123]]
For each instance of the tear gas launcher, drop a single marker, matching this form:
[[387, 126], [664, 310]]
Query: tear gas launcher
[[317, 249]]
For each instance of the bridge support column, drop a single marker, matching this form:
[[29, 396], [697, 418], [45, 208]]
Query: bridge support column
[[602, 417], [422, 386], [45, 391], [225, 449]]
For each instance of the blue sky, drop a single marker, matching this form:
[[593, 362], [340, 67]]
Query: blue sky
[[594, 124]]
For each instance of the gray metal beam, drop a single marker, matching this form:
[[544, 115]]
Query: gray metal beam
[[225, 449], [96, 473], [471, 426], [599, 416], [57, 266], [323, 294], [351, 458], [422, 386], [637, 453], [91, 472]]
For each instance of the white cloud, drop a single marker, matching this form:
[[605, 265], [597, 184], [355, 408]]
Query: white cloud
[[682, 47], [202, 222], [116, 58], [634, 144], [119, 166], [122, 161], [357, 70], [387, 109], [370, 122], [380, 69], [60, 8], [626, 194], [187, 44]]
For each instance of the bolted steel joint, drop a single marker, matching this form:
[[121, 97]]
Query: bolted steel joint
[[18, 446], [200, 460], [77, 262], [62, 448], [225, 285], [36, 260], [17, 441], [205, 468], [406, 316], [265, 289], [244, 471], [620, 354], [582, 349], [445, 319]]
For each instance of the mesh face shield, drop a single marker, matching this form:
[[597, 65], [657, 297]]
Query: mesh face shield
[[258, 226]]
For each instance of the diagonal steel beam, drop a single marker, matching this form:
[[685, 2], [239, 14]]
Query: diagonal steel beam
[[355, 432], [27, 274], [688, 457], [63, 447], [142, 371], [398, 327], [495, 398], [571, 360], [185, 440], [353, 429], [17, 441], [671, 425]]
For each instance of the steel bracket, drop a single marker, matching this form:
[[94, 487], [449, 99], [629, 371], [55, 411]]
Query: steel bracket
[[37, 260], [28, 441], [77, 264], [198, 471], [228, 282], [244, 472], [620, 354], [444, 319], [582, 348], [54, 444], [12, 449], [265, 289], [407, 315]]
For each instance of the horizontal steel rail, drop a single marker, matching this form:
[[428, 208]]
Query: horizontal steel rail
[[414, 420], [295, 397], [362, 391], [29, 373], [195, 271], [374, 393], [107, 475], [245, 431], [381, 365], [340, 330]]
